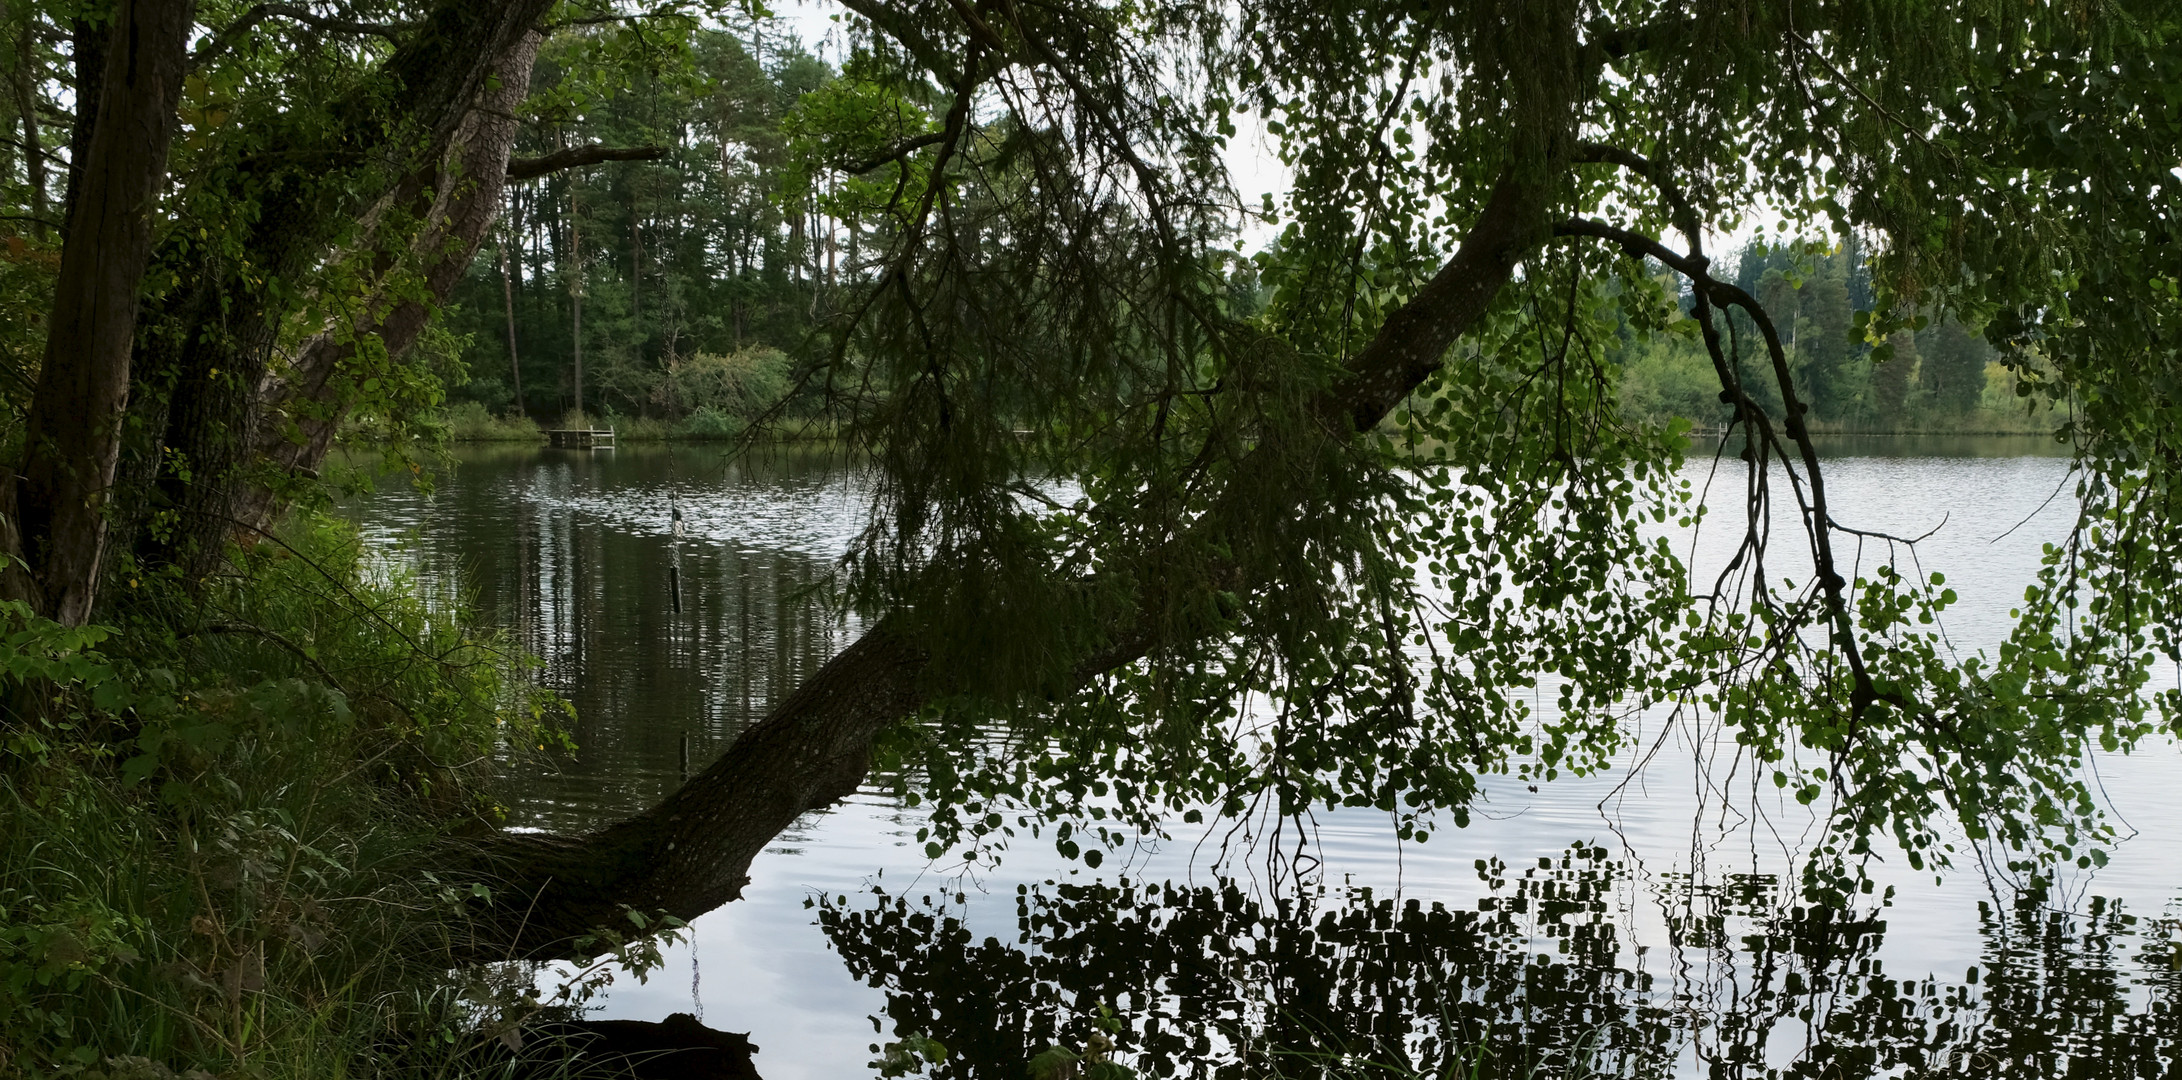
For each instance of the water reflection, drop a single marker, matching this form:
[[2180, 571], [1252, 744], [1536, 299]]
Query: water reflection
[[1218, 983], [650, 637], [1694, 966]]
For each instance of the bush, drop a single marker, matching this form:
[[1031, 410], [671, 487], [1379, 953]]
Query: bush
[[711, 423], [223, 817], [469, 421], [1664, 378], [741, 384]]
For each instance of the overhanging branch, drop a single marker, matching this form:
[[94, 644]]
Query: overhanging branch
[[690, 853], [894, 153], [1818, 521], [1679, 209], [576, 157]]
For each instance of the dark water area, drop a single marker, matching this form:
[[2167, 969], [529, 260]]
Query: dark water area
[[1638, 923]]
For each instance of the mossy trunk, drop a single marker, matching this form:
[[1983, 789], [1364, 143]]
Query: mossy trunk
[[72, 440], [458, 198], [206, 352]]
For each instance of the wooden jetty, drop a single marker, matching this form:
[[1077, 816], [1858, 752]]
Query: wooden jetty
[[581, 438]]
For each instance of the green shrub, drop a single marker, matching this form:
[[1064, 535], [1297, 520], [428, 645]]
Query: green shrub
[[222, 819], [740, 384], [469, 421], [711, 423]]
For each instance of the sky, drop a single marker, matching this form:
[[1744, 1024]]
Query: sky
[[1251, 158]]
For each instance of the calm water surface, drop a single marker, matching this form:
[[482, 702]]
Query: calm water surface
[[1631, 924]]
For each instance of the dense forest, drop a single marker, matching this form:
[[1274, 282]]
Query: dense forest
[[671, 288], [1934, 375], [676, 291]]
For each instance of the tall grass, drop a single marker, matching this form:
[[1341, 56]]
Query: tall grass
[[219, 824]]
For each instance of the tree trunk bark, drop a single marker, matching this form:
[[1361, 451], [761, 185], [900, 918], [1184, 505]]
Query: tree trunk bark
[[692, 852], [465, 190], [307, 178], [89, 41], [73, 433], [7, 123]]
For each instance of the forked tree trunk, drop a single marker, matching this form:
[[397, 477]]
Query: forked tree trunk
[[307, 403], [73, 433], [310, 175], [692, 852]]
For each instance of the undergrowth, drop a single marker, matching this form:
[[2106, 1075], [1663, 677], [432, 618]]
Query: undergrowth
[[220, 818]]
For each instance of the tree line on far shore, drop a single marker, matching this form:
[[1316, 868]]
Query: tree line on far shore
[[1941, 375], [671, 289], [675, 293]]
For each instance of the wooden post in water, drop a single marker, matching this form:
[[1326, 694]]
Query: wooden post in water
[[685, 757], [674, 586]]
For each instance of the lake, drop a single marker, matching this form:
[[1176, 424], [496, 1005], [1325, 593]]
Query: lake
[[1638, 923]]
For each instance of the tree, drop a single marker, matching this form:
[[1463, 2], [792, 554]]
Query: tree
[[56, 514], [1894, 380], [694, 256], [1953, 368], [1415, 446], [1326, 541], [1832, 363]]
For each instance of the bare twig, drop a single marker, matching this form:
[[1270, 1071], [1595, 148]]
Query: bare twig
[[1812, 50]]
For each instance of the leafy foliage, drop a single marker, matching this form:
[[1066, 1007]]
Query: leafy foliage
[[222, 840], [1188, 591]]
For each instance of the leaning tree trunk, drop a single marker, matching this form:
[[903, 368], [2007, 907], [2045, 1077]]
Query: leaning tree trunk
[[307, 180], [692, 852], [306, 404], [459, 200], [73, 433]]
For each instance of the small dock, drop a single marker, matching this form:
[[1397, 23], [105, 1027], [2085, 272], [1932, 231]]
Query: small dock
[[580, 438]]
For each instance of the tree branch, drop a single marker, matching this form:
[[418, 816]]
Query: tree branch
[[1818, 522], [1808, 49], [691, 852], [936, 57], [1679, 209], [576, 157], [894, 153], [600, 20], [1413, 341], [229, 36], [1621, 42]]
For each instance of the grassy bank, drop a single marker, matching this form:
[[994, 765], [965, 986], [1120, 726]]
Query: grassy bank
[[222, 817]]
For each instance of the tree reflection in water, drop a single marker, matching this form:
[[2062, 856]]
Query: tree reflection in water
[[1540, 982]]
